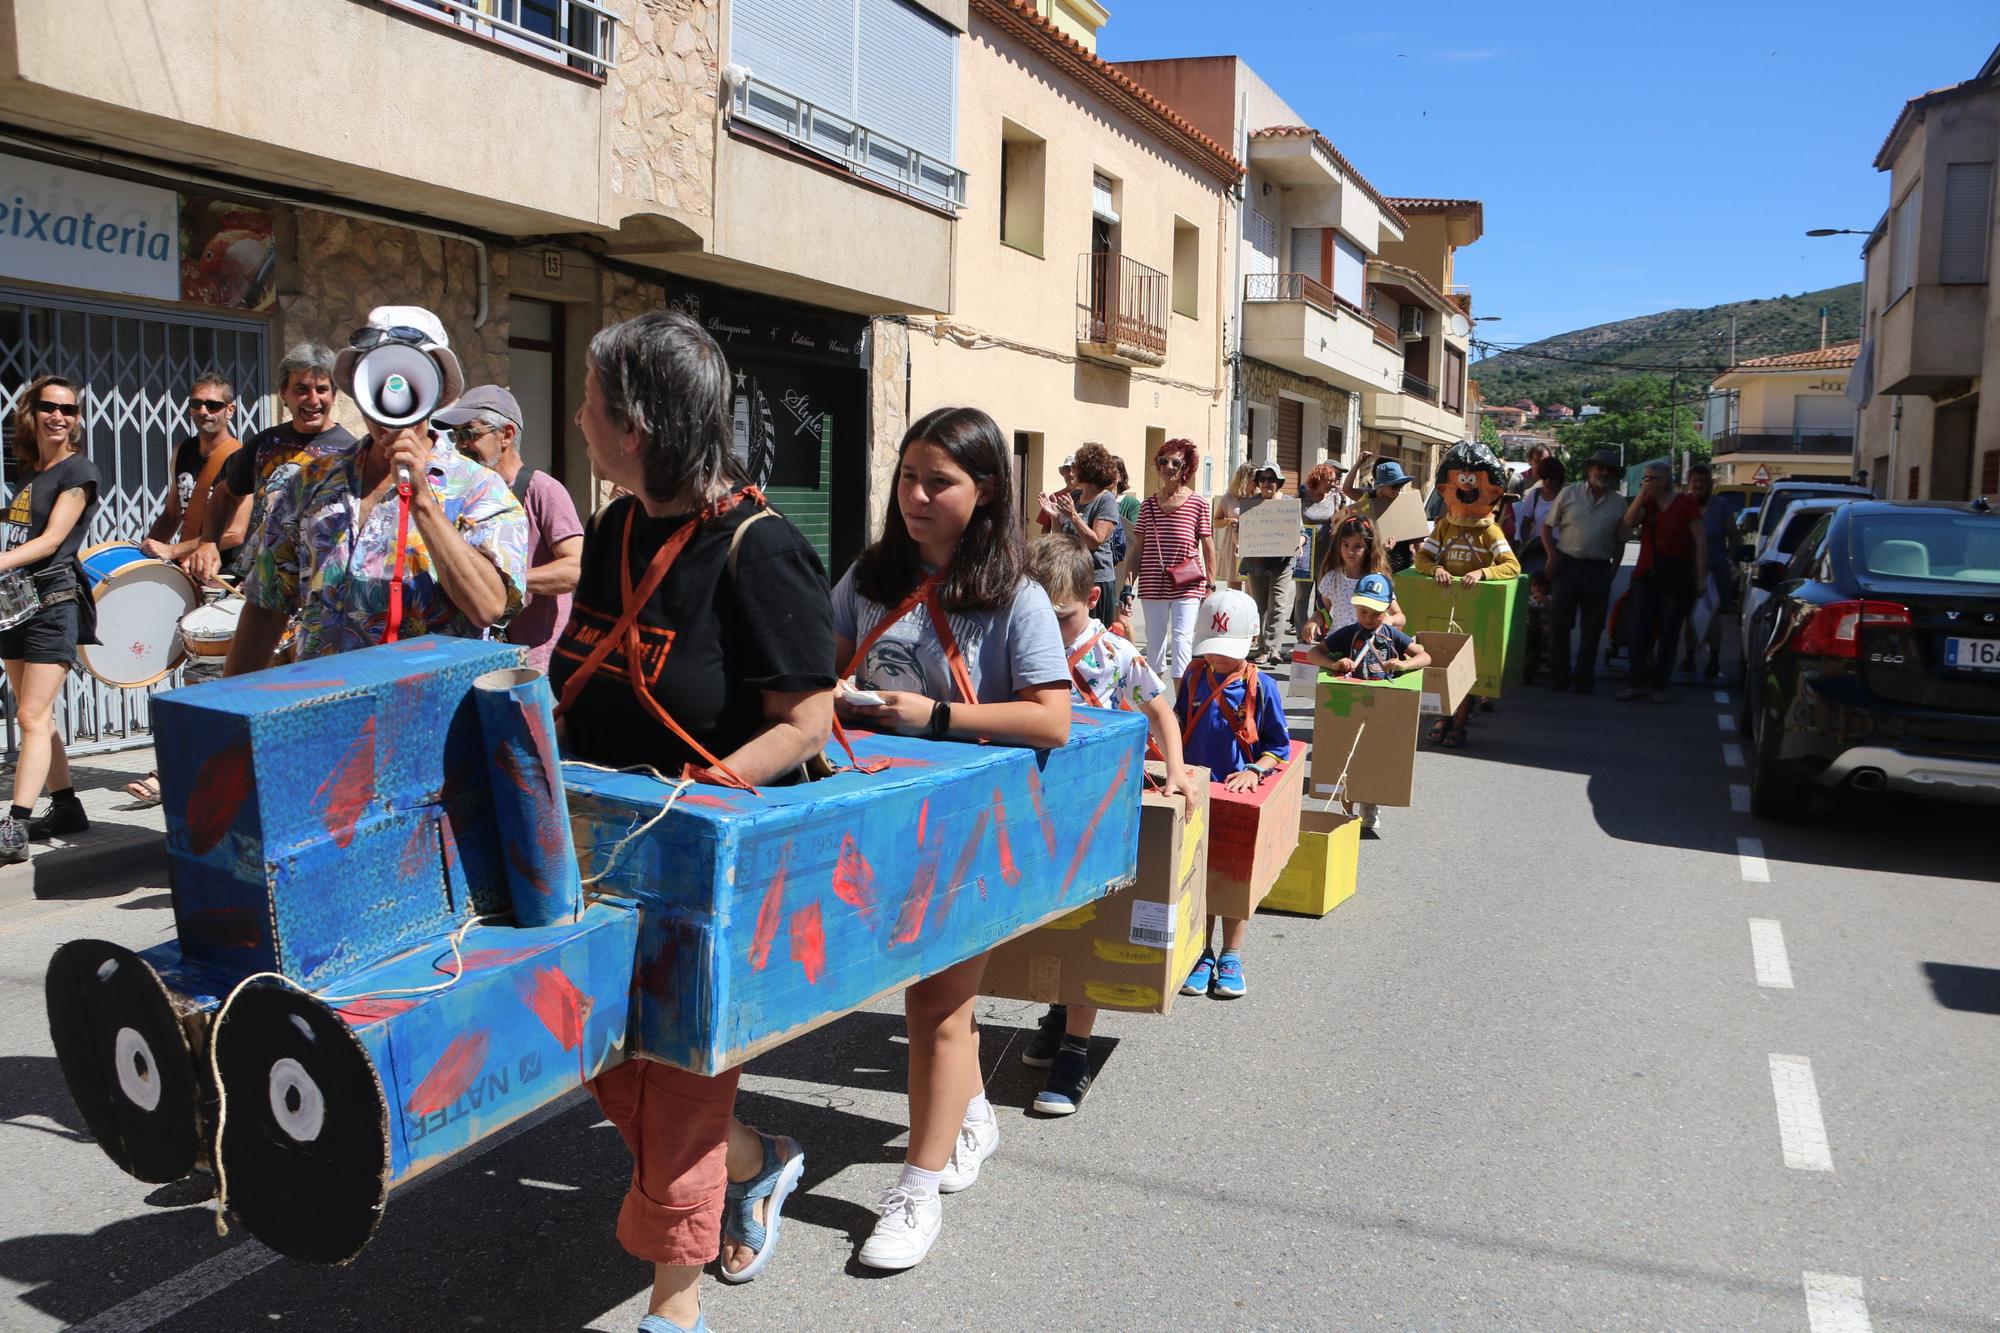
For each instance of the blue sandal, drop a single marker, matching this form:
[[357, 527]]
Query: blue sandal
[[654, 1323], [784, 1163]]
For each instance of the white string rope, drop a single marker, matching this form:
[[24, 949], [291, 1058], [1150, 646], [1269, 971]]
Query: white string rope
[[215, 1041], [678, 784]]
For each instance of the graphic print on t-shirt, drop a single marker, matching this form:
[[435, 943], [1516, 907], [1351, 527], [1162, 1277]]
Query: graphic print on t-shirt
[[20, 516], [909, 658], [587, 628]]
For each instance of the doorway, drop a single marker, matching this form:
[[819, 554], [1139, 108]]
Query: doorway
[[535, 369]]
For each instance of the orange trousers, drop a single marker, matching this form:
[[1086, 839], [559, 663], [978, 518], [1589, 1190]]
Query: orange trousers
[[676, 1125]]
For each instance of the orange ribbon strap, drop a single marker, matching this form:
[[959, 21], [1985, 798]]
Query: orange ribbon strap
[[1242, 723]]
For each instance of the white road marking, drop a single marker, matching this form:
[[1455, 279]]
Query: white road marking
[[1801, 1130], [1750, 860], [1732, 755], [1722, 696], [1739, 798], [162, 1301], [1835, 1304], [1725, 722], [1767, 951]]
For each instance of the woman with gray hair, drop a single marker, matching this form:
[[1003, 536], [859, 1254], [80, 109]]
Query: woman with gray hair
[[735, 631]]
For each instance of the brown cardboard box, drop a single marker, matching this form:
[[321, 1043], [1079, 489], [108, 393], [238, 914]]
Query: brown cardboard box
[[1255, 834], [1448, 679], [1131, 950], [1377, 721]]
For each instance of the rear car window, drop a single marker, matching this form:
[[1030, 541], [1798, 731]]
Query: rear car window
[[1936, 545], [1796, 527]]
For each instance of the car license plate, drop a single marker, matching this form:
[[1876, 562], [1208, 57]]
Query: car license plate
[[1972, 654]]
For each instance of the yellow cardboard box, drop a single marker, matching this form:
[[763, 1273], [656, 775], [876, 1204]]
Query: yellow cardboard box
[[1131, 950], [1321, 874]]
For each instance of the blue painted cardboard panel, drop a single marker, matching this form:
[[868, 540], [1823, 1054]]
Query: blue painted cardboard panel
[[767, 915]]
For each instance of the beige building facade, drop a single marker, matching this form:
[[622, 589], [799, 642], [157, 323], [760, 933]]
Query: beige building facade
[[1088, 296], [1932, 317], [1774, 417]]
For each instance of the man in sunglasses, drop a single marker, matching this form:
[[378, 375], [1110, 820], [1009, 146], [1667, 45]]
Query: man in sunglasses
[[485, 425], [197, 464], [268, 460]]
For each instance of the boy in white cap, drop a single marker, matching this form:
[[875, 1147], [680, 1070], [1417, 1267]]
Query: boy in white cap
[[1233, 724]]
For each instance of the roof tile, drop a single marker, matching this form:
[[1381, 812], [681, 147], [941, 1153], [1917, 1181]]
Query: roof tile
[[1294, 131], [1834, 356]]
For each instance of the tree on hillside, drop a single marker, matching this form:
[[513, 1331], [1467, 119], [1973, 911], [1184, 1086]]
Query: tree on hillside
[[1638, 413], [1489, 435]]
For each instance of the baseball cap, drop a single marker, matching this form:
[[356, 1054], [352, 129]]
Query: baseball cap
[[1069, 460], [487, 397], [1267, 470], [1373, 592], [1226, 623]]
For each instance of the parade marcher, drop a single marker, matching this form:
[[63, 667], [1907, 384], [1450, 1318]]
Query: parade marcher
[[740, 620], [1175, 558], [485, 425], [939, 619], [1718, 529], [1531, 476], [1128, 513], [1368, 646], [269, 459], [1532, 511], [1380, 490], [55, 495], [195, 468], [1270, 580], [327, 551], [1583, 537], [1228, 508], [1232, 723], [1105, 671], [1672, 567], [1466, 546], [1354, 553], [1323, 504], [1088, 515]]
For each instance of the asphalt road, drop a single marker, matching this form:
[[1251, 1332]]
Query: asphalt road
[[1527, 1078]]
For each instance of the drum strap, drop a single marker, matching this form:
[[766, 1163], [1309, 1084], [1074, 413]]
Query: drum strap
[[196, 513]]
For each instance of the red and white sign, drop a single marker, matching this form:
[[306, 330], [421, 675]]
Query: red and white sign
[[1762, 476]]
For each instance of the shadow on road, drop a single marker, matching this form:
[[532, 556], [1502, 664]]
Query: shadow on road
[[32, 1088], [1972, 990]]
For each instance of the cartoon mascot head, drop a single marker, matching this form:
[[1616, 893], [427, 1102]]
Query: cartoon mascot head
[[1472, 481]]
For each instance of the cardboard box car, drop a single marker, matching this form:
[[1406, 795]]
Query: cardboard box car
[[1495, 614], [1132, 949], [1321, 874], [1448, 679], [1252, 836], [1376, 722]]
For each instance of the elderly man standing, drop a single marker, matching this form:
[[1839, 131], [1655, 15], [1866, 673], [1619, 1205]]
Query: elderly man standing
[[327, 550], [1584, 537], [486, 426]]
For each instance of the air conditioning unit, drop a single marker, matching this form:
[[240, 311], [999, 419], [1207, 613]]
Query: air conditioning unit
[[1413, 321]]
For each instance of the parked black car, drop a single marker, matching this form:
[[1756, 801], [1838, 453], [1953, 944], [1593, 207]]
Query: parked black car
[[1875, 662]]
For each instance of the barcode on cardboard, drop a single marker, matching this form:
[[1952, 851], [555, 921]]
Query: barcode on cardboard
[[1153, 923], [1431, 703]]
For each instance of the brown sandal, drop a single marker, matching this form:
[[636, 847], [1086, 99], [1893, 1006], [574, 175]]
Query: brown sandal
[[146, 791]]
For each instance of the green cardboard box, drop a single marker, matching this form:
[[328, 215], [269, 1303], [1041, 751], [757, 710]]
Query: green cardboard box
[[1494, 614]]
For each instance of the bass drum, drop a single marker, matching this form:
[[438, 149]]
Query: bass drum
[[140, 602]]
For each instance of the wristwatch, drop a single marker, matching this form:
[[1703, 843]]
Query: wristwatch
[[940, 720]]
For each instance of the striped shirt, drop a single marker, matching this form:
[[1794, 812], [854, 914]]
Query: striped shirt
[[1168, 538]]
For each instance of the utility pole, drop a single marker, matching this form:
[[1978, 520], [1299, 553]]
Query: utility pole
[[1732, 340], [1822, 328]]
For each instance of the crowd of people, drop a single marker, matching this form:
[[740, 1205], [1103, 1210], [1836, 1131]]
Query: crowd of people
[[950, 625]]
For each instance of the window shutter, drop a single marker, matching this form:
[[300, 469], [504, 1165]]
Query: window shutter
[[1100, 198], [1307, 244], [909, 77], [1903, 256], [805, 47], [1821, 414], [1290, 439], [1968, 221], [1263, 238], [1350, 271]]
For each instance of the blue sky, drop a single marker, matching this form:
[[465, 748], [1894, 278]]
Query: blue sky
[[1631, 157]]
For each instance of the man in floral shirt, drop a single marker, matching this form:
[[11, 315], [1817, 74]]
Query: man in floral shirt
[[327, 549]]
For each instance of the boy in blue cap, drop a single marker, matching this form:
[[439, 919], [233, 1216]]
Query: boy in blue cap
[[1370, 649]]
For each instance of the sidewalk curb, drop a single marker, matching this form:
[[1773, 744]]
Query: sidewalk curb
[[62, 871]]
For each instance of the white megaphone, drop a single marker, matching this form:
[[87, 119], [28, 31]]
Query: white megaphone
[[396, 384]]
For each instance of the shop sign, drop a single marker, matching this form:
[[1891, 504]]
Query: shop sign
[[77, 229], [745, 323]]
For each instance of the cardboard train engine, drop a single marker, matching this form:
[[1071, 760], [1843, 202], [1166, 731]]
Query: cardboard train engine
[[385, 951]]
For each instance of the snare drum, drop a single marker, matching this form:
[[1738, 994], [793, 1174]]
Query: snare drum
[[208, 630], [18, 599], [140, 602]]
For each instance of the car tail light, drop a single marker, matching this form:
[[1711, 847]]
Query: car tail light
[[1834, 630]]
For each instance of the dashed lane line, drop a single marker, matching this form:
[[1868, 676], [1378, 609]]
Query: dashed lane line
[[1732, 755], [1739, 799], [1725, 722], [1801, 1128], [1750, 860], [1722, 696], [1835, 1303], [1767, 952]]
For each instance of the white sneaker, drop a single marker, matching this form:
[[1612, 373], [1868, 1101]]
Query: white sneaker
[[1371, 816], [977, 1141], [908, 1227]]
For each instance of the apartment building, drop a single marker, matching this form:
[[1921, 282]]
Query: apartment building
[[1413, 282], [529, 169], [1087, 292], [1928, 339], [1773, 417]]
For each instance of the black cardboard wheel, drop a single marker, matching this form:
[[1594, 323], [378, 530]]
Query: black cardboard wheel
[[125, 1056], [305, 1144]]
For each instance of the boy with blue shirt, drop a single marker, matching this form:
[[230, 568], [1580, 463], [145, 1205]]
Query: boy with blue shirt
[[1233, 724]]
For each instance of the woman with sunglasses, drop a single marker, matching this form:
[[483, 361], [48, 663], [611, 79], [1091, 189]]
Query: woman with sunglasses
[[55, 495], [1176, 560]]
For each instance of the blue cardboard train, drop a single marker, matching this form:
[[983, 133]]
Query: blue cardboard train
[[379, 865]]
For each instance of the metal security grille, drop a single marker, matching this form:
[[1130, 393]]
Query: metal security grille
[[135, 365]]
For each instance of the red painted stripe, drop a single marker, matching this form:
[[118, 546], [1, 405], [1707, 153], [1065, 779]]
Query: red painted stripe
[[1090, 829], [770, 914], [451, 1075], [809, 942]]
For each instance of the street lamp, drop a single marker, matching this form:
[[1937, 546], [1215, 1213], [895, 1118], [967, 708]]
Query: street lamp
[[1487, 319], [1837, 231]]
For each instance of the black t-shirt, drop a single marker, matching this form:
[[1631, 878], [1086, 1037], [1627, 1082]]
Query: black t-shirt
[[28, 514], [710, 644]]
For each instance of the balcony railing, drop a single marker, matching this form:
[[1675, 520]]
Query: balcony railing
[[1121, 309], [1416, 386], [577, 33], [862, 150], [1787, 442], [1287, 287]]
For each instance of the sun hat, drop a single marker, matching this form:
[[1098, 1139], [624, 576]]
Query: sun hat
[[451, 376], [1389, 472]]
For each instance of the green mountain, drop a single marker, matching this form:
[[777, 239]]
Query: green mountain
[[1571, 368]]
